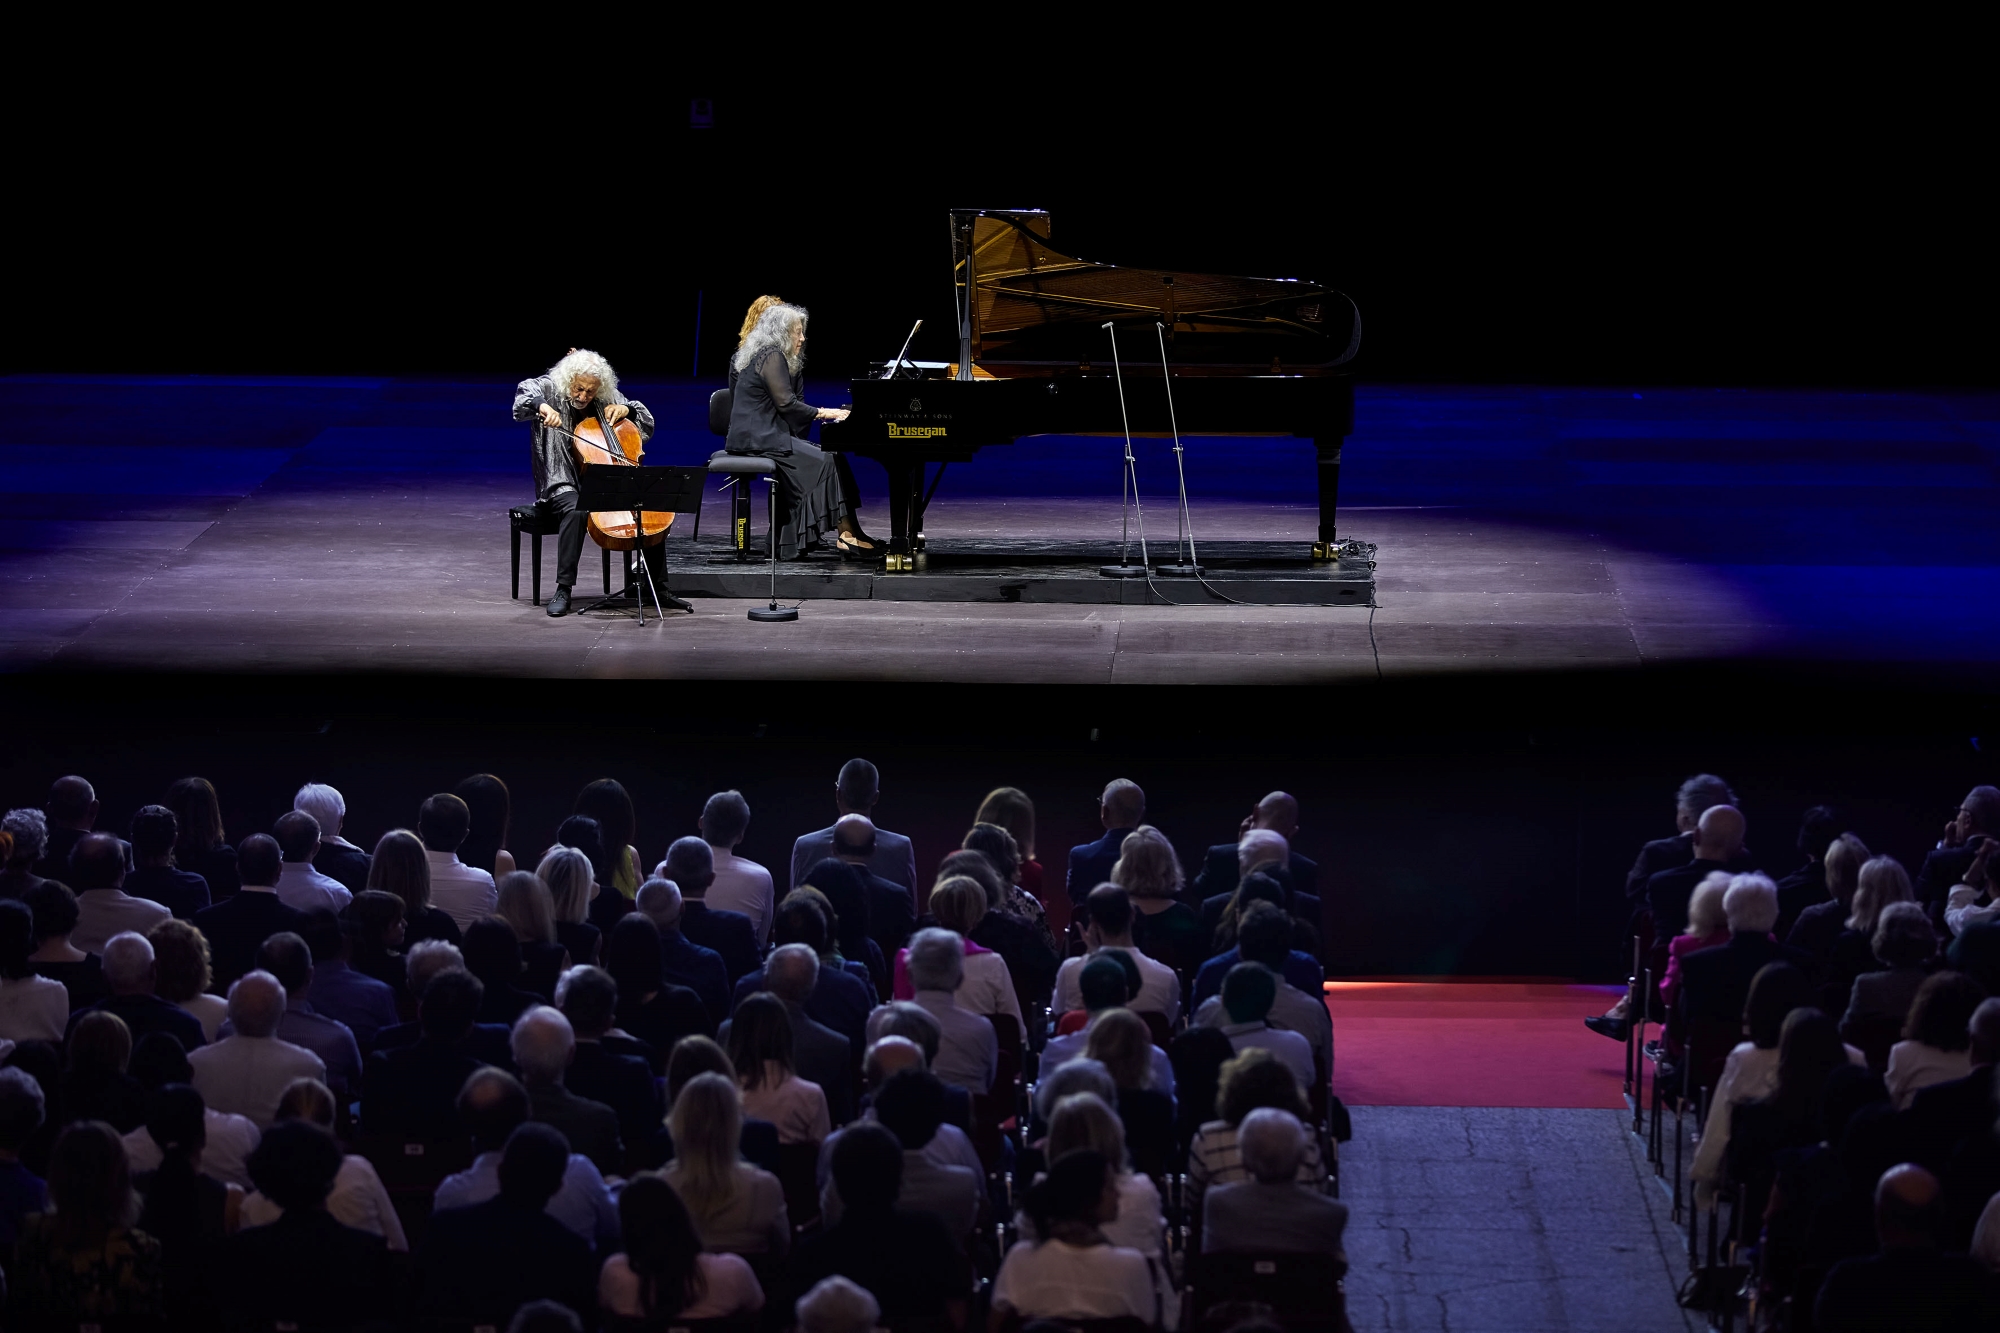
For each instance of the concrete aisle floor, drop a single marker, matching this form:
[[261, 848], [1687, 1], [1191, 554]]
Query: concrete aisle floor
[[1487, 1220]]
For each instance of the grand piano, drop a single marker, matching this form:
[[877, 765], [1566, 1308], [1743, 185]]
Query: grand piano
[[1248, 356]]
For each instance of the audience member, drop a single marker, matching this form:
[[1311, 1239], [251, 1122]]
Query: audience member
[[1904, 944], [238, 925], [491, 807], [488, 1043], [891, 913], [607, 802], [545, 1317], [131, 975], [1697, 795], [1011, 809], [84, 1261], [1278, 813], [181, 974], [1031, 959], [1300, 969], [97, 874], [968, 1051], [1121, 809], [154, 876], [1248, 993], [336, 857], [907, 1260], [1975, 900], [910, 1104], [1911, 1286], [491, 1106], [1118, 1040], [841, 888], [650, 1008], [1163, 927], [95, 1084], [493, 954], [301, 887], [229, 1139], [543, 1046], [1718, 843], [682, 961], [32, 1007], [462, 892], [286, 957], [840, 1000], [912, 1022], [569, 878], [305, 1268], [1944, 1115], [997, 845], [1105, 987], [71, 812], [947, 1146], [1716, 981], [1936, 1038], [28, 831], [663, 1275], [1271, 1213], [588, 999], [201, 847], [1072, 1271], [1881, 882], [525, 905], [338, 991], [1946, 864], [402, 866], [411, 1091], [187, 1211], [1806, 886], [1809, 1051], [958, 904], [23, 1107], [81, 974], [690, 864], [1084, 1120], [741, 885], [248, 1070], [757, 1141], [1819, 924], [1265, 939], [1107, 912], [1261, 855], [1251, 1080], [1707, 927], [357, 1199], [856, 792], [738, 1208], [836, 1305], [820, 1056], [760, 1044], [376, 939]]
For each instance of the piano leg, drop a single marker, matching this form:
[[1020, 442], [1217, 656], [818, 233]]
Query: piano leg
[[1329, 494], [906, 494]]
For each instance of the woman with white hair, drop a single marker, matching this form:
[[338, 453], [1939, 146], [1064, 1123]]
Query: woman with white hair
[[582, 386], [767, 417]]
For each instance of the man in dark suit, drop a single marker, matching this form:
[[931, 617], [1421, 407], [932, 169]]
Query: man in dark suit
[[839, 1000], [337, 858], [599, 1073], [1697, 794], [1715, 982], [238, 925], [856, 791], [1264, 852], [682, 961], [72, 812], [1718, 841], [130, 972], [1278, 812], [412, 1091], [154, 876], [1806, 886], [544, 1045], [690, 864], [1120, 809], [479, 1265], [1944, 865], [1911, 1284], [891, 917], [305, 1269], [820, 1054]]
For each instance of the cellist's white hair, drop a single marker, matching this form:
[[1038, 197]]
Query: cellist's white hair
[[583, 361], [774, 329]]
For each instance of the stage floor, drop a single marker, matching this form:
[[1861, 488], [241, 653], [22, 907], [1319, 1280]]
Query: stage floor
[[360, 526]]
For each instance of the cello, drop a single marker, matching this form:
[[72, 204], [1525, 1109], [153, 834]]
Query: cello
[[614, 529]]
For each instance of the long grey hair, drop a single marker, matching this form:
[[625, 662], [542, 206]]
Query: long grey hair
[[775, 328], [583, 361]]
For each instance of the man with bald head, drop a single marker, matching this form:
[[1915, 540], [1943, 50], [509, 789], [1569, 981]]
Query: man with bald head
[[892, 908], [1717, 844], [97, 875], [1121, 808], [819, 1054], [682, 961], [856, 791], [247, 1073], [1222, 868], [71, 812], [1911, 1285]]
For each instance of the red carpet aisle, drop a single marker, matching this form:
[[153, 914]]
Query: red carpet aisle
[[1472, 1043]]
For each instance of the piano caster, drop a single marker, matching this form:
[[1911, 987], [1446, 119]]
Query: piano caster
[[899, 564], [1326, 550]]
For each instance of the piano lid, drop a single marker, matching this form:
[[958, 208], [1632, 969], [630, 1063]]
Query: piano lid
[[1036, 310]]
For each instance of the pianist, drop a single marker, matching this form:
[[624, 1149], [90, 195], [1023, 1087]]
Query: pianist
[[850, 491], [767, 417]]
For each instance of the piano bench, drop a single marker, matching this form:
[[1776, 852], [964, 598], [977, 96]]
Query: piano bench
[[537, 523], [740, 468]]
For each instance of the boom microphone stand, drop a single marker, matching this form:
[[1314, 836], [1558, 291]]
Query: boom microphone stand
[[1128, 490]]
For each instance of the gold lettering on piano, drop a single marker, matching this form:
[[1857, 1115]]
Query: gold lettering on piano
[[897, 432]]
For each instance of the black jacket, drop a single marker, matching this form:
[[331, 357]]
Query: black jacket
[[1667, 894], [891, 918], [479, 1265], [181, 892], [1090, 865], [412, 1091], [237, 926], [146, 1014], [349, 865], [622, 1082], [306, 1269], [730, 934], [1218, 872], [1715, 982]]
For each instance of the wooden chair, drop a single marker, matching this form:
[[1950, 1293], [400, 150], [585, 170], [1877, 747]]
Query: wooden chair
[[411, 1171]]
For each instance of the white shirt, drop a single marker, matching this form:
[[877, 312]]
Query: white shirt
[[33, 1009], [1159, 989], [1291, 1050], [231, 1140], [102, 913], [212, 1010], [358, 1200], [795, 1105], [988, 988], [1748, 1073], [247, 1075], [581, 1203], [302, 888], [1960, 913], [1914, 1066], [1291, 1009], [462, 892], [1058, 1280], [741, 885]]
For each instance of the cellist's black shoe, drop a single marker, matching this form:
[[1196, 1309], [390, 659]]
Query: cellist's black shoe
[[1604, 1025], [559, 604]]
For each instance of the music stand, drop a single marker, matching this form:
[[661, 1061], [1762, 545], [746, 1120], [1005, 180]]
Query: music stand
[[640, 491]]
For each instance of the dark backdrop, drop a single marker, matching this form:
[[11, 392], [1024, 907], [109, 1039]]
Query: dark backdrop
[[1470, 827], [1602, 204]]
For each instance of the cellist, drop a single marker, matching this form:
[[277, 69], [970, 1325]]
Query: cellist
[[581, 385]]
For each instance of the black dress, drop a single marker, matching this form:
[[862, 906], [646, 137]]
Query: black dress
[[765, 416]]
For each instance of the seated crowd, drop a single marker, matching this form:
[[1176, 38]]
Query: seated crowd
[[1843, 1024], [296, 1082]]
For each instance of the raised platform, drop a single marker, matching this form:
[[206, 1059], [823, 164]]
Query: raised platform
[[1047, 572]]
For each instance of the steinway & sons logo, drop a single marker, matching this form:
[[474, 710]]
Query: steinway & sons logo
[[897, 432]]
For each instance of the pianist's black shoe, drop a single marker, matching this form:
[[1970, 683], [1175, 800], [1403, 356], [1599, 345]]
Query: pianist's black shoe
[[559, 603], [857, 543], [1604, 1025]]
